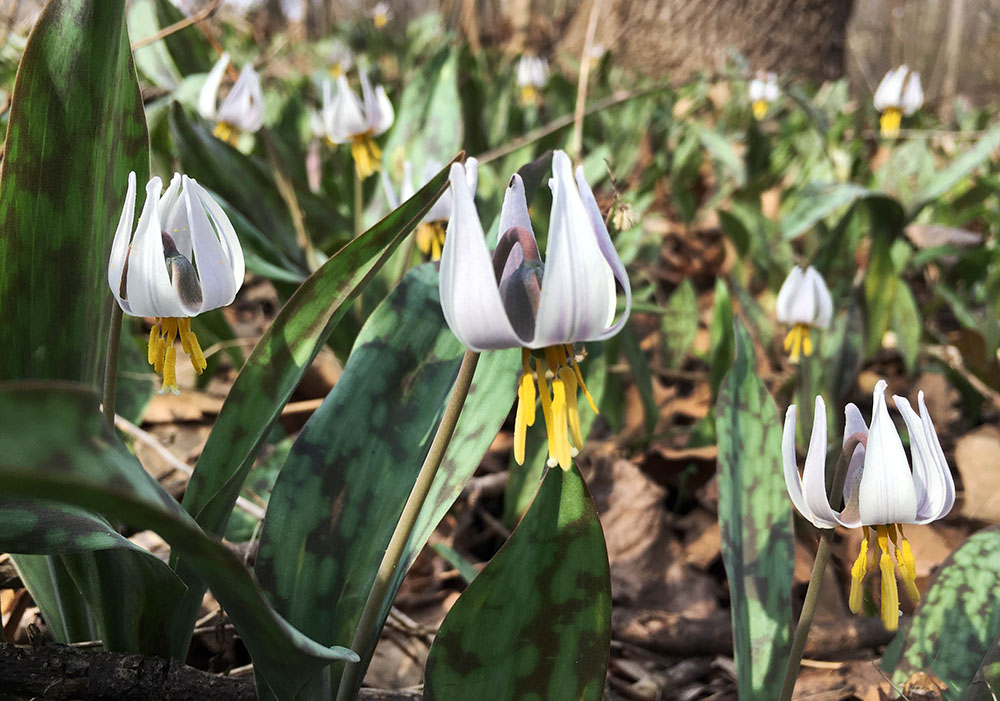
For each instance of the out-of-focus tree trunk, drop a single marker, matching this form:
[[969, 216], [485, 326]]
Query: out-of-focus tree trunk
[[680, 37]]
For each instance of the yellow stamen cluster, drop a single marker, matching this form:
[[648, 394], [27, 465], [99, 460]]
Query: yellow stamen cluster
[[559, 407], [226, 132], [529, 94], [162, 354], [337, 70], [759, 108], [890, 121], [890, 592], [367, 155], [798, 342], [380, 20], [430, 239]]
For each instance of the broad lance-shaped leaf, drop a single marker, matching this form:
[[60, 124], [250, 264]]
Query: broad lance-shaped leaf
[[536, 623], [756, 522], [278, 362], [58, 447], [957, 620], [360, 452]]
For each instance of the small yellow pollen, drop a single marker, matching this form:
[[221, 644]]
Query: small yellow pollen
[[225, 131], [380, 20], [891, 119], [367, 155], [529, 95], [759, 109], [798, 342], [162, 354], [430, 239]]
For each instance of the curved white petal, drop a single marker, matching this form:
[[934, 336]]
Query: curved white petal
[[886, 494], [771, 87], [913, 94], [472, 172], [470, 298], [823, 312], [890, 91], [610, 255], [174, 218], [150, 292], [514, 213], [342, 113], [814, 472], [793, 483], [787, 294], [755, 91], [208, 96], [386, 114], [932, 480], [218, 286], [120, 245], [227, 235], [854, 423], [244, 105], [574, 300]]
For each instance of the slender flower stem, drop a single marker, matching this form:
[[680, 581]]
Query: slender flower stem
[[819, 566], [111, 361], [368, 627], [581, 86]]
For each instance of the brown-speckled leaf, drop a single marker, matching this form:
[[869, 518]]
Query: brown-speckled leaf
[[756, 521]]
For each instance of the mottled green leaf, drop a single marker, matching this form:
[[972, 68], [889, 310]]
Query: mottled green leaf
[[957, 620], [535, 625], [76, 129], [188, 48], [756, 523], [340, 493], [80, 462], [679, 324]]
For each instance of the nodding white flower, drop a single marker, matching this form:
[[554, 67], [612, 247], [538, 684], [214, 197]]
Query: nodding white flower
[[881, 493], [431, 231], [341, 59], [898, 94], [595, 54], [184, 259], [347, 118], [381, 14], [517, 300], [762, 91], [241, 110], [532, 75], [805, 303]]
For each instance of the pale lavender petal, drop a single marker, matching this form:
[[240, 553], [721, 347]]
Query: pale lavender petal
[[470, 298], [934, 485], [174, 217], [793, 483], [210, 90], [814, 472], [120, 245], [243, 107], [514, 213], [218, 288], [887, 493]]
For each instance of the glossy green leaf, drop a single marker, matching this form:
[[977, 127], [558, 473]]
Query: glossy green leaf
[[52, 587], [361, 451], [960, 614], [756, 522], [955, 171], [76, 129], [58, 446], [536, 623], [189, 48]]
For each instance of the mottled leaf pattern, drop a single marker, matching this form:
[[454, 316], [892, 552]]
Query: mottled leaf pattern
[[535, 625], [756, 522], [957, 620]]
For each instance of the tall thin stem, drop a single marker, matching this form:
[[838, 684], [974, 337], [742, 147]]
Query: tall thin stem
[[581, 86], [819, 567], [368, 627], [111, 361]]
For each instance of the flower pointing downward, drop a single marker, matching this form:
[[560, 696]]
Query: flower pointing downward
[[762, 91], [881, 493], [532, 75], [805, 303], [348, 119], [241, 110], [516, 300], [899, 93], [184, 259]]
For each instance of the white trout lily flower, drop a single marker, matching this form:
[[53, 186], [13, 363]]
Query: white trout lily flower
[[381, 14], [898, 94], [881, 493], [431, 230], [762, 91], [532, 75], [341, 59], [184, 259], [348, 119], [805, 303], [516, 300], [241, 110]]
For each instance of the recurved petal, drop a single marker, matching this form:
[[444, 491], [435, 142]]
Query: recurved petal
[[788, 294], [386, 114], [821, 295], [150, 292], [932, 480], [814, 473], [215, 270], [854, 424], [174, 218], [890, 91], [793, 483], [120, 244], [244, 105], [514, 213], [913, 94], [886, 494], [755, 91], [577, 282], [342, 113], [208, 96], [470, 298]]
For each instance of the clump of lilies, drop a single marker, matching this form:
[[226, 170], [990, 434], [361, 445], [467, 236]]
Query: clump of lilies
[[515, 299], [804, 302]]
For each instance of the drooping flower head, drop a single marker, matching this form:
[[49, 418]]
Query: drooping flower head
[[805, 303], [341, 59], [762, 91], [881, 493], [431, 230], [898, 94], [532, 75], [184, 259], [381, 14], [241, 110], [518, 300], [348, 119]]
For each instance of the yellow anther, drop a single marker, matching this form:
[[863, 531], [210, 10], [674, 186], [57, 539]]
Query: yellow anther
[[154, 342], [225, 132], [367, 155], [529, 94], [890, 592], [572, 410], [525, 415], [798, 342], [562, 454], [907, 566], [858, 574], [170, 369], [891, 119], [380, 20], [759, 109], [583, 385], [543, 393], [807, 344]]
